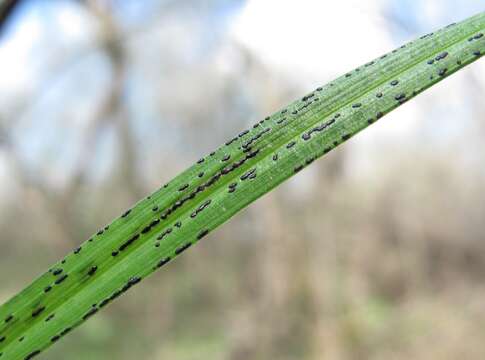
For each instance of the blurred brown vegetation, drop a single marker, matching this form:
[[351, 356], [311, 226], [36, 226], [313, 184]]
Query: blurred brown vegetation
[[387, 264]]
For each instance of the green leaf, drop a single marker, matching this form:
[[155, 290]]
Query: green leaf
[[185, 210]]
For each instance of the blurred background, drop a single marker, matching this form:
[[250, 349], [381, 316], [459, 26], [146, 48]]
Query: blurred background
[[375, 252]]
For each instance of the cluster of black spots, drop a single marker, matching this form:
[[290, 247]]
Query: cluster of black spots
[[400, 96], [8, 318], [129, 242], [47, 288], [184, 187], [162, 262], [38, 311], [248, 174], [60, 279], [476, 37], [477, 53], [224, 171], [202, 234], [298, 168], [50, 317], [232, 187], [32, 355], [92, 270], [165, 233], [442, 72], [226, 158], [181, 249], [319, 128], [291, 144], [126, 213], [379, 95], [77, 250], [394, 82], [200, 208], [90, 313]]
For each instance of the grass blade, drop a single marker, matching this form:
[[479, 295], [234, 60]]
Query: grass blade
[[182, 212]]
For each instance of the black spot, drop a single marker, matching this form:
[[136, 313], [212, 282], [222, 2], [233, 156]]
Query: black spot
[[394, 82], [56, 272], [50, 317], [430, 62], [163, 262], [2, 339], [21, 338], [126, 213], [114, 253], [90, 313], [400, 96], [476, 53], [65, 331], [275, 157], [200, 161], [32, 355], [47, 288], [201, 174], [55, 338], [298, 168], [93, 270], [202, 234], [183, 248], [178, 224], [478, 36], [77, 250], [346, 136], [290, 145], [9, 318], [243, 133], [60, 279], [357, 105], [227, 157], [442, 72], [184, 187], [37, 312], [379, 114], [370, 121], [441, 56], [379, 95]]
